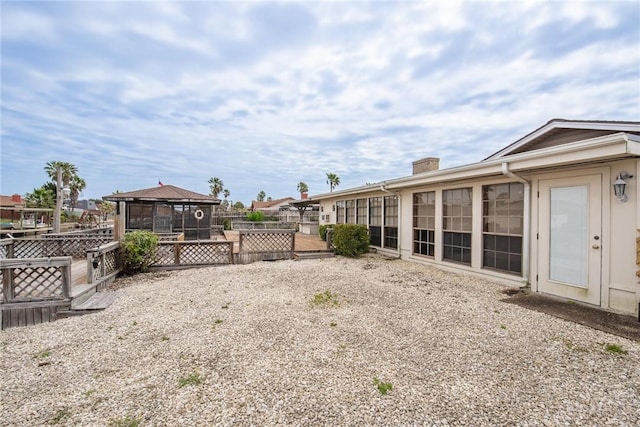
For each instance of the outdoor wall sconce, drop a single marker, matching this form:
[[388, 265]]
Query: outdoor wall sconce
[[95, 262], [620, 185]]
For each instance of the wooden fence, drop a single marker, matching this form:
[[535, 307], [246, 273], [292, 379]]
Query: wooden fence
[[103, 264], [74, 246], [181, 254], [262, 225], [266, 245], [33, 290]]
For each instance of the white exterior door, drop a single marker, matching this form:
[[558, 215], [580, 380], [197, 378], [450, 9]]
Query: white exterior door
[[569, 238]]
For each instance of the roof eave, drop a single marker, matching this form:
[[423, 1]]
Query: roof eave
[[154, 199], [618, 145], [565, 124]]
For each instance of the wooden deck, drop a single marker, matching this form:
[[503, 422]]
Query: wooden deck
[[78, 272], [303, 243]]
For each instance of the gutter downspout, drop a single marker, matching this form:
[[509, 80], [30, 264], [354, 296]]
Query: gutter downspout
[[397, 194], [526, 232]]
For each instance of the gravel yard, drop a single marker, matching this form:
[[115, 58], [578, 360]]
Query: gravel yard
[[316, 342]]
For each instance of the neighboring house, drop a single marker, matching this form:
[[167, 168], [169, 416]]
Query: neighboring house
[[272, 207], [541, 212], [10, 207], [87, 205], [164, 209], [15, 214]]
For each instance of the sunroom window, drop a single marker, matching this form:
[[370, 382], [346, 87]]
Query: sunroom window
[[391, 222], [375, 221], [502, 219], [457, 223], [424, 223]]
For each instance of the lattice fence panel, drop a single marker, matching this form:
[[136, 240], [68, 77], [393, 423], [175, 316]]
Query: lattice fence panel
[[29, 248], [266, 242], [205, 254], [165, 255], [58, 246], [40, 282], [202, 253], [110, 262], [4, 251]]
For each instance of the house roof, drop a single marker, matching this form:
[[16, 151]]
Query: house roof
[[555, 126], [269, 204], [6, 201], [618, 145], [167, 193]]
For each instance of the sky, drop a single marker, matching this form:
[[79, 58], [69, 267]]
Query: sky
[[264, 95]]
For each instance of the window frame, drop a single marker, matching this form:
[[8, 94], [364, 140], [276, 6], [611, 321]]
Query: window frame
[[457, 225]]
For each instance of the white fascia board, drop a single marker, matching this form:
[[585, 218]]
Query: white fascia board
[[633, 144], [601, 148], [347, 192], [621, 127], [606, 147]]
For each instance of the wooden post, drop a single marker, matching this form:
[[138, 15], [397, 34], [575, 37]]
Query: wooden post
[[119, 223], [90, 256], [66, 279], [176, 253], [7, 284], [230, 252], [293, 243]]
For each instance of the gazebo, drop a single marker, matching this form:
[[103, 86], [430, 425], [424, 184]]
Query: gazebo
[[164, 209]]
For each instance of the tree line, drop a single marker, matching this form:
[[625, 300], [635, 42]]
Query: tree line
[[216, 186]]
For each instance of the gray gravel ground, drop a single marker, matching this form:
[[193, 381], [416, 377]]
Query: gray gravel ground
[[247, 345]]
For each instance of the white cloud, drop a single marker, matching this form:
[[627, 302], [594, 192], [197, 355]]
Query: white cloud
[[184, 91], [27, 25]]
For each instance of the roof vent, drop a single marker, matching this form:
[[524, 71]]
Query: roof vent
[[427, 164]]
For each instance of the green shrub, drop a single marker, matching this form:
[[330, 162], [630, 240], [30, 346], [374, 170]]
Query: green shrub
[[227, 224], [322, 230], [351, 240], [255, 216], [139, 250]]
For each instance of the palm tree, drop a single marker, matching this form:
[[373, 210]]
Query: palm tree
[[69, 170], [76, 186], [261, 195], [333, 180], [216, 185], [226, 203], [302, 188], [41, 198]]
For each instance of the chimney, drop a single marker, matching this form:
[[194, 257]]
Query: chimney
[[428, 164], [304, 195], [15, 198]]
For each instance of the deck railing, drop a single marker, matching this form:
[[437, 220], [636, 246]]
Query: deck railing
[[263, 245], [192, 253], [33, 290], [103, 264], [262, 225], [74, 246]]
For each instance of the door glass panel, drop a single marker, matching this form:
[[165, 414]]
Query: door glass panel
[[569, 235]]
